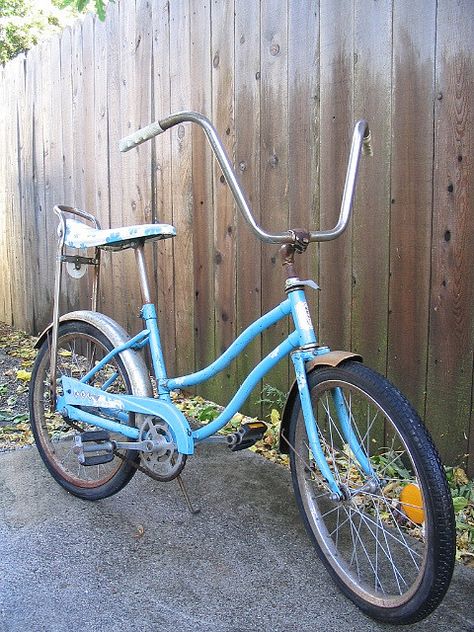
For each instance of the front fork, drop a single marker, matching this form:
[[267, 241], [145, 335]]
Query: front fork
[[311, 424]]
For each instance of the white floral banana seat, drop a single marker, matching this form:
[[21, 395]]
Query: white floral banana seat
[[78, 235]]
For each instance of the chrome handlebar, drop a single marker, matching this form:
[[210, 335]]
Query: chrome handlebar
[[360, 141]]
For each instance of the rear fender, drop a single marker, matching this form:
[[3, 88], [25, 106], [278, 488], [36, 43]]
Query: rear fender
[[333, 358], [134, 363]]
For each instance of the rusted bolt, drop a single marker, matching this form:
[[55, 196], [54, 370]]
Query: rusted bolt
[[242, 165], [439, 96]]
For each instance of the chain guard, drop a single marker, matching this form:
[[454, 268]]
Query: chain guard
[[165, 463]]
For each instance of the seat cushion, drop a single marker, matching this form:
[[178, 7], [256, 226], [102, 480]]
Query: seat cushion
[[78, 235]]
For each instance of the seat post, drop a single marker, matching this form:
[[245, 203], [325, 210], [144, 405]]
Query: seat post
[[142, 273]]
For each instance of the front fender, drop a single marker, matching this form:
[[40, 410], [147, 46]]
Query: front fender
[[333, 358]]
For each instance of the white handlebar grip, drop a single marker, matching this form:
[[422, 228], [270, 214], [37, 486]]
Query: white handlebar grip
[[367, 145], [140, 136]]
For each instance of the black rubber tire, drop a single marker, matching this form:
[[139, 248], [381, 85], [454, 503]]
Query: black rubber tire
[[121, 470], [433, 578]]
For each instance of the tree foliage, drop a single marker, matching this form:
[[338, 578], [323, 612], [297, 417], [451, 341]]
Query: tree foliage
[[23, 23]]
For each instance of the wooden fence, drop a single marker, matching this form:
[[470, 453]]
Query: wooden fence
[[284, 82]]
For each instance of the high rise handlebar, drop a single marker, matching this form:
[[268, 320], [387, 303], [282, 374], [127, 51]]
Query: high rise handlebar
[[361, 142]]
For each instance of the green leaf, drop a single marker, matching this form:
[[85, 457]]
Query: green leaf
[[459, 503], [100, 9]]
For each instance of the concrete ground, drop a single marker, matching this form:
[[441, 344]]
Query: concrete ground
[[139, 561]]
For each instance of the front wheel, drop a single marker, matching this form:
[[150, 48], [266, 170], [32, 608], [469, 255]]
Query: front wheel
[[389, 542]]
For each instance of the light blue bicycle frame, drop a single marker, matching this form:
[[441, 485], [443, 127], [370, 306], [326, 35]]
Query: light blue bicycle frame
[[78, 393]]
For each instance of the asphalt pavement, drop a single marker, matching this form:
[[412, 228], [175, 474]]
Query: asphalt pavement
[[140, 561]]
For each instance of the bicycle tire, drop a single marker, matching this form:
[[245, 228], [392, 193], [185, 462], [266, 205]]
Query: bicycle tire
[[354, 538], [54, 435]]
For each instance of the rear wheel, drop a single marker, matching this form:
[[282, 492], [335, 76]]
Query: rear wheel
[[389, 543], [80, 347]]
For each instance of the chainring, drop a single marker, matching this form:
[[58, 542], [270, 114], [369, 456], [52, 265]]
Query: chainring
[[165, 462]]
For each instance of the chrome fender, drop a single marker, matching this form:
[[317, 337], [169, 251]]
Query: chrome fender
[[139, 377], [333, 358]]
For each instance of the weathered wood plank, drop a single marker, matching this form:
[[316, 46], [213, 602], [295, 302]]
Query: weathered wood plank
[[23, 319], [101, 150], [181, 161], [370, 228], [203, 219], [162, 182], [129, 89], [115, 132], [274, 167], [4, 286], [414, 26], [222, 46], [303, 135], [452, 258], [336, 118], [71, 288], [247, 160]]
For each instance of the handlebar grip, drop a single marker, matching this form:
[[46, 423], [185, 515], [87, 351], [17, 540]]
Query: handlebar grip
[[140, 136], [367, 144]]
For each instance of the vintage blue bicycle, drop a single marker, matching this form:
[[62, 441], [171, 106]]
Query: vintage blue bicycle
[[367, 479]]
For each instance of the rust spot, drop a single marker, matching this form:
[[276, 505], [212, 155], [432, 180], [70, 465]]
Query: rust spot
[[225, 317]]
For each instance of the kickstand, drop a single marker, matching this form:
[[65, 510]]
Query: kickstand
[[186, 496]]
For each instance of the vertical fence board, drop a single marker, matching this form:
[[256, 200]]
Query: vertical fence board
[[5, 313], [114, 133], [274, 167], [452, 289], [370, 231], [25, 131], [336, 87], [247, 160], [101, 147], [411, 196], [162, 181], [129, 96], [222, 47], [71, 294], [303, 131], [181, 160], [23, 319], [203, 219]]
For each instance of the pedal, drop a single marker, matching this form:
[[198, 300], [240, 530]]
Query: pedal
[[247, 435], [97, 441]]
